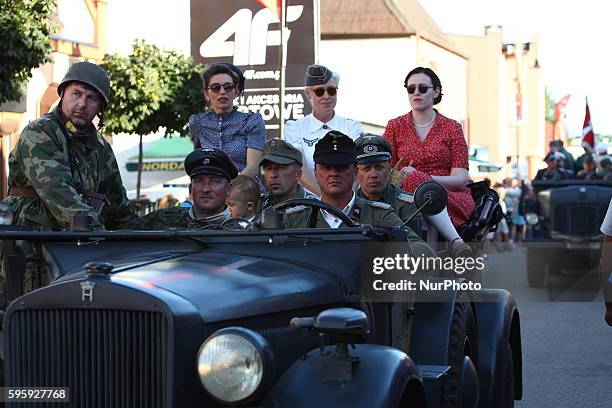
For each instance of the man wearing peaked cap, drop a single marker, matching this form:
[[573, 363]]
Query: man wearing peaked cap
[[210, 171], [373, 169], [321, 89], [335, 157], [553, 171], [281, 166]]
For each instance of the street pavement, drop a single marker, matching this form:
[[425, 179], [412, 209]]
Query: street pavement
[[567, 346]]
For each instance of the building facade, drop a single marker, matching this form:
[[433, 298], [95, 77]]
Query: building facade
[[373, 44], [506, 101], [82, 33]]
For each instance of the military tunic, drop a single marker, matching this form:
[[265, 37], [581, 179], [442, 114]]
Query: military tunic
[[401, 201], [363, 212], [177, 217], [268, 200]]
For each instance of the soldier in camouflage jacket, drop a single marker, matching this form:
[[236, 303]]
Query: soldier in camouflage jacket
[[62, 166]]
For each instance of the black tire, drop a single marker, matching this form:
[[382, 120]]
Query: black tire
[[536, 269], [462, 341], [507, 396]]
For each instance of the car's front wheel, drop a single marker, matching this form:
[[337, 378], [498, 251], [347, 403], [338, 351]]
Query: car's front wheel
[[462, 389]]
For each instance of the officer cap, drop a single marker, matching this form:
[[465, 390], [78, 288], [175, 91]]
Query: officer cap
[[335, 148], [210, 161], [372, 148], [280, 152], [317, 75], [90, 74]]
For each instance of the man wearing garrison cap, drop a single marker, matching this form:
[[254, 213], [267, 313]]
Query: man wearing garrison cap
[[211, 171], [321, 89], [281, 167]]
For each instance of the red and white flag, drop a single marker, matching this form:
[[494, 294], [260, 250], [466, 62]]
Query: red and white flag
[[588, 136]]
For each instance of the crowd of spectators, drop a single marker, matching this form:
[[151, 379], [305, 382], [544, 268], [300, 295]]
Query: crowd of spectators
[[561, 165]]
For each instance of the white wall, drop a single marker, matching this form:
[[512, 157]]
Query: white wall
[[452, 70], [372, 73], [161, 22], [75, 21]]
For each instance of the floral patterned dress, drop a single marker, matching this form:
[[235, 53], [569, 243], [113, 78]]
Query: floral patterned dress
[[443, 148]]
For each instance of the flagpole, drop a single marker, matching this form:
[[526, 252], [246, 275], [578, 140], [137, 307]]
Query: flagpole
[[282, 65]]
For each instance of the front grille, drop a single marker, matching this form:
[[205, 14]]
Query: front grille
[[108, 358]]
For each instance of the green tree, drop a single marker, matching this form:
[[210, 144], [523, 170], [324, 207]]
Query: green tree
[[152, 90], [25, 26]]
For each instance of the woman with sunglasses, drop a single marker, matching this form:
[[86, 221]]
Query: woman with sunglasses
[[321, 89], [431, 146], [241, 135]]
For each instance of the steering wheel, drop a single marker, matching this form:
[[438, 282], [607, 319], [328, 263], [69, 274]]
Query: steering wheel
[[315, 205], [233, 224]]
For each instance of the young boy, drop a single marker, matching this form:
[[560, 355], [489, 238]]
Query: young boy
[[243, 197]]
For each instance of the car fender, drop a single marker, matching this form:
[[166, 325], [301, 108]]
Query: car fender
[[498, 324], [378, 379], [430, 328]]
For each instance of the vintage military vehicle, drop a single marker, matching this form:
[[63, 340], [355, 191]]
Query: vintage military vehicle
[[260, 317], [563, 228]]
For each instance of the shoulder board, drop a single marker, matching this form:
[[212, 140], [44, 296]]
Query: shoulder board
[[295, 210], [406, 197], [378, 204]]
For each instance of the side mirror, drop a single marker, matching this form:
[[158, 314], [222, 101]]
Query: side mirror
[[430, 198]]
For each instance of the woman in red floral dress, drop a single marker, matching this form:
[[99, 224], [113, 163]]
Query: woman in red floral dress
[[432, 147]]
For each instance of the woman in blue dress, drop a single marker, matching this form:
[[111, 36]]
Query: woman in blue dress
[[241, 135]]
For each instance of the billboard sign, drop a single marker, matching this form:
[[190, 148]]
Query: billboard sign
[[248, 34]]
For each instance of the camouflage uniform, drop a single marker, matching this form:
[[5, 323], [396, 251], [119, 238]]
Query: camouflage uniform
[[177, 217], [61, 165], [57, 166]]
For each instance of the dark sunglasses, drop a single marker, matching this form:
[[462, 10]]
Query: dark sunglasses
[[422, 88], [216, 88], [331, 91]]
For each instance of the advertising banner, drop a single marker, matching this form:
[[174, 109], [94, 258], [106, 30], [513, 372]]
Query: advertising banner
[[247, 33]]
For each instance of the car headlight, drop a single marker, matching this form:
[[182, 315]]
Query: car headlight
[[531, 218], [234, 364], [6, 214]]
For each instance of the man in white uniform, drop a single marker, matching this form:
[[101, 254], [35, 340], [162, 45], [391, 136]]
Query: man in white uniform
[[605, 265], [321, 87]]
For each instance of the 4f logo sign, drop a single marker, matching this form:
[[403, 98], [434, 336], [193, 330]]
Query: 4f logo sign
[[251, 36]]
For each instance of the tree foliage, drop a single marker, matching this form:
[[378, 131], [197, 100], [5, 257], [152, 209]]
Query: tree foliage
[[25, 26], [152, 89]]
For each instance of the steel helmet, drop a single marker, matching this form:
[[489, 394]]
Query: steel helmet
[[90, 74]]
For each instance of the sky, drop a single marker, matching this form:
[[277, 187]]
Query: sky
[[574, 45]]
